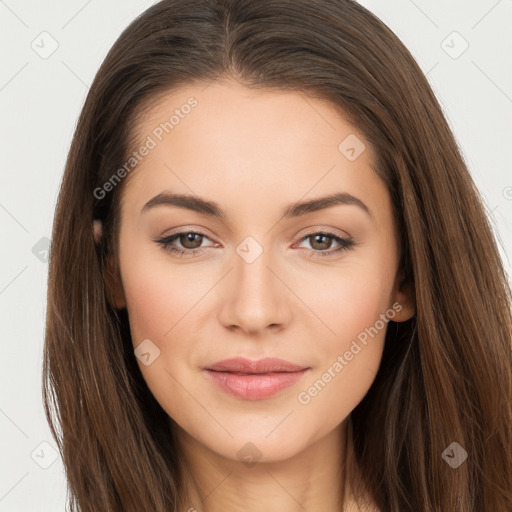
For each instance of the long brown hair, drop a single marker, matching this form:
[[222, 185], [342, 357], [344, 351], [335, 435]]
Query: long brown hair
[[446, 373]]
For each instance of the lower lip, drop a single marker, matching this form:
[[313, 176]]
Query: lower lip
[[256, 386]]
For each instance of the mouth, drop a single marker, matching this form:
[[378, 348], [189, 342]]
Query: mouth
[[254, 380]]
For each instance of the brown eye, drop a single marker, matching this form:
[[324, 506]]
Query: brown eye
[[191, 240], [320, 241], [185, 243]]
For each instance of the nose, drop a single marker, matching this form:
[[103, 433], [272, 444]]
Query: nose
[[255, 297]]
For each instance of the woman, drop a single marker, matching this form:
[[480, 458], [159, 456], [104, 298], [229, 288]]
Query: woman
[[269, 274]]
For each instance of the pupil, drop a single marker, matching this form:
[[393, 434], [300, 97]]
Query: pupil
[[324, 245], [189, 238]]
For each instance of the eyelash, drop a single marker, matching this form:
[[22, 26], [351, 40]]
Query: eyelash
[[345, 243]]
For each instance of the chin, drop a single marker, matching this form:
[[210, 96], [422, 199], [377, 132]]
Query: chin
[[256, 444]]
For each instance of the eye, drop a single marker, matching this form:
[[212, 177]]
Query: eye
[[191, 243], [190, 240], [321, 241]]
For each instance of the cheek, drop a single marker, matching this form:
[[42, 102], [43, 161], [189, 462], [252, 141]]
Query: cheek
[[160, 304], [352, 300], [354, 307], [158, 296], [350, 360]]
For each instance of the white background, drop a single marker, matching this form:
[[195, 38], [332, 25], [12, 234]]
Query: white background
[[40, 100]]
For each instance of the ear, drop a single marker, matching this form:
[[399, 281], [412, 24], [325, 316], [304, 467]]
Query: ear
[[113, 283], [97, 228], [403, 294]]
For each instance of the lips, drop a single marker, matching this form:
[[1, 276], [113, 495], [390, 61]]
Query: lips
[[254, 380], [243, 365]]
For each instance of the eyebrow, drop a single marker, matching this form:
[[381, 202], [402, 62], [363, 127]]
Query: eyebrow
[[205, 207]]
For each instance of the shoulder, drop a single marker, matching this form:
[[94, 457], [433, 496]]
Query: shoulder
[[362, 504], [367, 506]]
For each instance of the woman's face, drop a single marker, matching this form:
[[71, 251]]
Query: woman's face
[[265, 278]]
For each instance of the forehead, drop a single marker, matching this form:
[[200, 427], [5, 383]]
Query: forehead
[[223, 140], [228, 111]]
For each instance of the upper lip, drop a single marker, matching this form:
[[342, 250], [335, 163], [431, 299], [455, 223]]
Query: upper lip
[[265, 365]]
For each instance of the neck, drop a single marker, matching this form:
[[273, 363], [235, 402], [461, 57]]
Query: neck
[[311, 480]]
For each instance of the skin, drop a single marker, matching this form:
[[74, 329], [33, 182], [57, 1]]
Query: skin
[[254, 152]]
